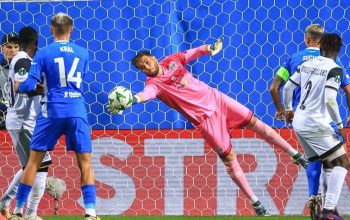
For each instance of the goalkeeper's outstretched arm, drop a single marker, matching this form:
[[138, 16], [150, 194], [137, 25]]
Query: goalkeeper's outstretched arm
[[194, 53]]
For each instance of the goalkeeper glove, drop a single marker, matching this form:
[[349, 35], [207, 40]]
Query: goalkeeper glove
[[215, 47]]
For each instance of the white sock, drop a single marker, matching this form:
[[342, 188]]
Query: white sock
[[36, 194], [325, 174], [254, 199], [18, 210], [91, 212], [336, 180], [11, 191]]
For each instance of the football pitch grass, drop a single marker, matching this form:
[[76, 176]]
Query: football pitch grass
[[110, 217]]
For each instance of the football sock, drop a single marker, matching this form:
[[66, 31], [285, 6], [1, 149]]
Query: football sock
[[235, 171], [21, 197], [11, 191], [313, 172], [325, 174], [89, 197], [36, 194], [336, 180], [272, 137]]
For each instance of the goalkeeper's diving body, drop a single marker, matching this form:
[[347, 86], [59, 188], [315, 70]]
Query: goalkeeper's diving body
[[210, 111]]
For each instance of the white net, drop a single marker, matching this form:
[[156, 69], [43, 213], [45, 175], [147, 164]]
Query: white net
[[150, 161]]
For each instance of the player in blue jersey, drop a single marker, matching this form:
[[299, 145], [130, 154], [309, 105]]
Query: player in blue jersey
[[62, 65], [313, 34]]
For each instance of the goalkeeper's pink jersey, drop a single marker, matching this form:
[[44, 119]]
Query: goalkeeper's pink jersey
[[180, 90]]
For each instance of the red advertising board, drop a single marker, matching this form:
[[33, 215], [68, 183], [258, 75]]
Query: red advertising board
[[174, 172]]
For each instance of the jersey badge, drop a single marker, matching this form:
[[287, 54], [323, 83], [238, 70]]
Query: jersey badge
[[22, 71], [173, 66], [21, 75], [337, 79]]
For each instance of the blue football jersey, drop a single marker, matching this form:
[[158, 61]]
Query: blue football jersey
[[62, 65], [292, 63]]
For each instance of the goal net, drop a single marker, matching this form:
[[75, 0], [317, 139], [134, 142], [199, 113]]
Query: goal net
[[150, 160]]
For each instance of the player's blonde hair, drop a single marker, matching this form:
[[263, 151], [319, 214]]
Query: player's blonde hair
[[315, 32], [61, 23]]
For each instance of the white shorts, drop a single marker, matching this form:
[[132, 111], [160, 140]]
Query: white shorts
[[318, 144], [21, 140]]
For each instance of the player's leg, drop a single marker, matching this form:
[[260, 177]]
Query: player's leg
[[10, 194], [306, 139], [21, 139], [313, 172], [35, 195], [214, 130], [78, 139], [340, 161], [38, 188], [88, 187], [325, 174], [272, 137], [11, 191], [44, 138], [325, 146], [239, 116], [27, 180], [237, 175]]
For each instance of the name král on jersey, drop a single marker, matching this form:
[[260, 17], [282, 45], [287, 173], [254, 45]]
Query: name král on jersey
[[67, 49], [313, 71]]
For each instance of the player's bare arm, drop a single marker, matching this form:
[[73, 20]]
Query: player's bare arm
[[333, 109], [277, 83], [39, 89], [347, 92], [288, 98]]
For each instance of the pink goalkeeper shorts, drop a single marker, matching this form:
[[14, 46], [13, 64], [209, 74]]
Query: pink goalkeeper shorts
[[216, 128]]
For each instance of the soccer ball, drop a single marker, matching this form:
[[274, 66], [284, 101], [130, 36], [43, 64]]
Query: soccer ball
[[120, 97]]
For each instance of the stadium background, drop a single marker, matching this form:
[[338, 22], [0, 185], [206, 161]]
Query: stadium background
[[149, 161]]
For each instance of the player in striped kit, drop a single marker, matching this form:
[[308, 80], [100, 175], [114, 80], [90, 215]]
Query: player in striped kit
[[313, 34], [210, 111], [63, 65], [319, 80], [20, 122]]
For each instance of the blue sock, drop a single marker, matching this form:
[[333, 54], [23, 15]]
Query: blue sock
[[313, 172], [89, 196], [22, 194]]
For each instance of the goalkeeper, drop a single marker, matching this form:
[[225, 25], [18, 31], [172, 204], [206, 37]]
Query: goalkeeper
[[210, 111]]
